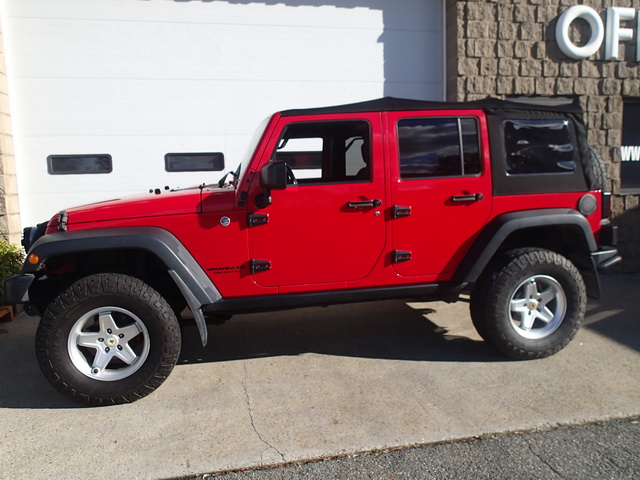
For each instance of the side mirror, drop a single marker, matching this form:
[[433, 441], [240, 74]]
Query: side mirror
[[273, 176]]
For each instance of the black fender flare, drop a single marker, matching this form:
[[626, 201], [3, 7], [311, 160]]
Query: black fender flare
[[188, 275], [499, 229]]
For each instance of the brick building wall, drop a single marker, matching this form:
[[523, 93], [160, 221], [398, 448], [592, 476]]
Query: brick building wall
[[9, 209], [508, 47]]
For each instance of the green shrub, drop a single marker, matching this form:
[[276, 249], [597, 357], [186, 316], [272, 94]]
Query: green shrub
[[11, 259]]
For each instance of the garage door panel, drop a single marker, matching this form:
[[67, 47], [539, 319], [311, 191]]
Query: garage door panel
[[133, 50], [131, 108], [137, 79], [402, 64], [342, 13]]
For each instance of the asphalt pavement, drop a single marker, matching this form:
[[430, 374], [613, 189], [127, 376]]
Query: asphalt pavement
[[307, 384], [603, 450]]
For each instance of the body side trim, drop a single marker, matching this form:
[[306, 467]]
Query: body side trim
[[333, 297]]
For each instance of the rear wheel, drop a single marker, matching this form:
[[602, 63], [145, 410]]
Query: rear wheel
[[107, 339], [529, 304]]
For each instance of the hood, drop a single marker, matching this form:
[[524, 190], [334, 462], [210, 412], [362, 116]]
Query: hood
[[180, 202]]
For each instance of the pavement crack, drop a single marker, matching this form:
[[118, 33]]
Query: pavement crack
[[541, 458], [424, 409], [249, 409]]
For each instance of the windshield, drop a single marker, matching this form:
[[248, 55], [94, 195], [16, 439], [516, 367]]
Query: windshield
[[253, 143]]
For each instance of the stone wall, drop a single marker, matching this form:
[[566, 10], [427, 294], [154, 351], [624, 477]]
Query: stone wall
[[507, 47], [9, 209]]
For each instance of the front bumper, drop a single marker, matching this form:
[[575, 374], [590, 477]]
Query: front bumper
[[16, 288]]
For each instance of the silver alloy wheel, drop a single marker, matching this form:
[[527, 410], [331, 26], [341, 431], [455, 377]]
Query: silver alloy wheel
[[537, 307], [108, 344]]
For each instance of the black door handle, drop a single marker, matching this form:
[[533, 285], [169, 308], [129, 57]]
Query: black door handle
[[366, 203], [475, 197]]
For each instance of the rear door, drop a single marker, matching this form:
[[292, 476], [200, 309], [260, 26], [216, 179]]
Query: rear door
[[440, 188]]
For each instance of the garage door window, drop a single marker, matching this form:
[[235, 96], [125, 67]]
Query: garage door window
[[79, 164], [194, 162]]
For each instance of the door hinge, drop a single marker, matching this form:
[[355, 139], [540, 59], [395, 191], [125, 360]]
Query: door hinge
[[401, 256], [259, 265], [255, 219], [399, 211]]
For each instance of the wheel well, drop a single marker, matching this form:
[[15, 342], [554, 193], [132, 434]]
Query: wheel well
[[63, 270], [566, 240]]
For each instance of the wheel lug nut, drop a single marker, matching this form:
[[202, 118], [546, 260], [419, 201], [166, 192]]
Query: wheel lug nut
[[121, 335], [119, 347], [107, 349], [109, 331], [101, 339]]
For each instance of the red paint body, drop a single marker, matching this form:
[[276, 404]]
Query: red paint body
[[315, 243]]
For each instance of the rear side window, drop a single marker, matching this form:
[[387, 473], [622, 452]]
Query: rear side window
[[539, 146], [438, 147]]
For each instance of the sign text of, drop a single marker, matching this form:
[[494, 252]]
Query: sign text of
[[611, 35]]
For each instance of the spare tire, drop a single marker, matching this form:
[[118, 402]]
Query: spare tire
[[598, 171]]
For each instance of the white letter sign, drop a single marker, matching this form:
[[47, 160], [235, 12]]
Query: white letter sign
[[615, 33], [589, 15]]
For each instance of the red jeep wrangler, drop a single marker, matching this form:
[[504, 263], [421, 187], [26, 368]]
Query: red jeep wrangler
[[384, 199]]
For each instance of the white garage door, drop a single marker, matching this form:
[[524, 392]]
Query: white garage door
[[134, 80]]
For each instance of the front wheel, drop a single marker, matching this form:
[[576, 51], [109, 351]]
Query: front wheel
[[530, 304], [108, 339]]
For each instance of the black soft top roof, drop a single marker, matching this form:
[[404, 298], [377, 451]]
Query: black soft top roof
[[497, 111], [390, 104]]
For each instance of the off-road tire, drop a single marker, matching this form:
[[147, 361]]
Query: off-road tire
[[144, 329], [525, 284]]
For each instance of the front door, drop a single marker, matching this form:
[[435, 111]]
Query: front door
[[328, 225], [441, 189]]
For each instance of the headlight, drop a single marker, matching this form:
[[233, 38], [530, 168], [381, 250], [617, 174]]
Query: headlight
[[31, 234]]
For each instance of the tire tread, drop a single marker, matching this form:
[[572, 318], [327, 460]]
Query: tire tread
[[487, 298], [96, 286]]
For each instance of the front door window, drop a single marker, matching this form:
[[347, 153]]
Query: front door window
[[326, 152]]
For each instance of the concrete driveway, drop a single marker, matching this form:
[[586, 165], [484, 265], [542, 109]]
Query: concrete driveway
[[280, 387]]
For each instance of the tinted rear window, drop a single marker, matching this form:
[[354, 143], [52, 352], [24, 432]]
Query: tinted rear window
[[539, 146]]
